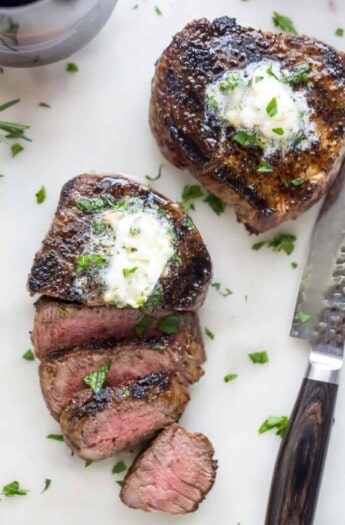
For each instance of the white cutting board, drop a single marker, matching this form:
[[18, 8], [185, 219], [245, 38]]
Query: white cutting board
[[98, 121]]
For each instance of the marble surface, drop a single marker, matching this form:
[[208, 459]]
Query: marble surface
[[98, 121]]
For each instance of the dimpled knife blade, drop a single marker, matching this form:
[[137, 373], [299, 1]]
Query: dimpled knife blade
[[322, 291]]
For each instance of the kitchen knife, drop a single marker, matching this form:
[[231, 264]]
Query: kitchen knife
[[298, 469]]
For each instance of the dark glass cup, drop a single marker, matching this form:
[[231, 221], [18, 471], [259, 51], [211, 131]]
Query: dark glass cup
[[38, 32]]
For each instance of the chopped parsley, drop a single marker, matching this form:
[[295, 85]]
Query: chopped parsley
[[273, 422], [192, 192], [283, 242], [142, 325], [294, 265], [158, 176], [44, 105], [298, 181], [212, 101], [188, 222], [271, 72], [47, 484], [12, 129], [272, 107], [278, 131], [259, 357], [170, 324], [264, 167], [29, 355], [339, 31], [13, 489], [98, 226], [229, 83], [209, 333], [230, 377], [217, 287], [158, 11], [247, 139], [16, 149], [299, 75], [87, 260], [72, 68], [126, 392], [154, 298], [215, 204], [88, 462], [284, 22], [176, 259], [303, 317], [97, 204], [135, 6], [41, 195], [119, 467], [56, 437], [96, 379], [127, 272], [120, 482], [258, 78]]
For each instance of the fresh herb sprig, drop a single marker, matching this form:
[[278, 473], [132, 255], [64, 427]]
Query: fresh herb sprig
[[283, 242]]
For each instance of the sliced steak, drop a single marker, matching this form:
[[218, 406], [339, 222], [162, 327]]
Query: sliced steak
[[59, 324], [62, 372], [113, 241], [173, 474], [96, 426], [192, 133]]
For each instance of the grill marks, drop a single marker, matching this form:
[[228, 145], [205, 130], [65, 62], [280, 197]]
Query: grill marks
[[188, 137]]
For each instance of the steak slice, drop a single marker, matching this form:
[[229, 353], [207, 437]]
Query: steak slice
[[173, 474], [192, 136], [59, 324], [79, 258], [96, 426], [62, 373]]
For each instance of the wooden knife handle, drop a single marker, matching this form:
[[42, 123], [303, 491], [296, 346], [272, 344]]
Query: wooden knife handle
[[298, 470]]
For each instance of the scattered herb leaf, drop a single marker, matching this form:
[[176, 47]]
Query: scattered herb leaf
[[209, 333], [230, 377], [16, 149], [56, 437], [294, 265], [339, 31], [264, 167], [88, 462], [158, 176], [279, 423], [303, 317], [44, 105], [298, 181], [284, 22], [96, 379], [121, 483], [98, 226], [154, 298], [119, 467], [13, 489], [127, 272], [29, 355], [229, 83], [259, 357], [215, 203], [72, 68], [272, 107], [247, 139], [192, 192], [142, 325], [300, 74], [41, 195], [283, 242], [84, 262], [158, 11], [170, 324], [47, 484], [212, 101], [7, 105], [278, 131], [188, 222], [226, 292]]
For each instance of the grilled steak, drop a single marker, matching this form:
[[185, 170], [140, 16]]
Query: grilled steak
[[173, 474], [96, 426], [62, 372], [115, 242], [199, 124]]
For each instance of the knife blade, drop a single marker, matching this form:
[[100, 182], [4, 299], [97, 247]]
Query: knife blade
[[319, 318]]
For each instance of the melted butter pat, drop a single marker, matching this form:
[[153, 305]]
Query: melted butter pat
[[144, 244]]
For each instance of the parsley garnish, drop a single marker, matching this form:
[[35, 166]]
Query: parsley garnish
[[142, 325], [158, 11], [215, 203], [298, 181], [271, 72], [72, 68], [97, 204], [87, 260], [158, 176], [247, 139], [119, 467], [300, 74], [294, 265], [264, 167], [41, 195], [154, 298], [98, 226], [127, 272], [44, 105], [303, 317], [56, 437], [47, 484], [339, 31], [279, 423], [13, 489], [188, 222], [192, 192], [126, 392], [226, 292], [121, 483], [96, 379], [229, 83], [176, 259], [16, 149], [283, 242], [278, 131], [230, 377], [12, 129], [170, 324], [284, 22], [259, 78], [212, 101], [29, 355], [209, 333], [272, 107], [259, 357], [88, 462]]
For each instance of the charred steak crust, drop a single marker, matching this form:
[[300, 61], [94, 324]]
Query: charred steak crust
[[99, 425], [173, 474], [54, 269], [189, 138], [62, 372]]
